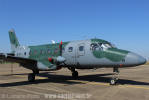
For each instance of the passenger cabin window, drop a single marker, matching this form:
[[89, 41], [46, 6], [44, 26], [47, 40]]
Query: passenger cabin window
[[42, 52], [81, 48], [48, 51], [25, 53], [63, 49], [35, 52], [70, 49], [56, 51]]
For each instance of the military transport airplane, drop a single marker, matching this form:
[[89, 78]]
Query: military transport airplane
[[83, 54]]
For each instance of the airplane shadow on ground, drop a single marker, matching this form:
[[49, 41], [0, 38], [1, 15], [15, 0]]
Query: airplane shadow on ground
[[64, 79]]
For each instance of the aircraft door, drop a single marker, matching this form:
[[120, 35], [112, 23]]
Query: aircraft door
[[71, 54], [80, 55]]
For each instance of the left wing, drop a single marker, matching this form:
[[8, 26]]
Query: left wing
[[28, 63]]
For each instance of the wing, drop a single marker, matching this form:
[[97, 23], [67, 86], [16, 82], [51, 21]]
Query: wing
[[27, 63]]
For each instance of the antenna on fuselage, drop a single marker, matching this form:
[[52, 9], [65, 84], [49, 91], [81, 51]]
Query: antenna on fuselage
[[53, 42]]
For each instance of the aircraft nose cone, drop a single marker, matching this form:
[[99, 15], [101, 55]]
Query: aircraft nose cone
[[133, 59], [142, 60]]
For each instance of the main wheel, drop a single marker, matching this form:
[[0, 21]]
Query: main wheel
[[75, 74], [31, 77], [113, 81]]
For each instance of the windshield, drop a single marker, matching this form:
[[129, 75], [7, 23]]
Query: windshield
[[106, 45], [101, 46]]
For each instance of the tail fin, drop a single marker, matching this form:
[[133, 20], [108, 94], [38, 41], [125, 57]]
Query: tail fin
[[13, 40]]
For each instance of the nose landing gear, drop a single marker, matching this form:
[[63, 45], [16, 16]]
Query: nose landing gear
[[114, 79]]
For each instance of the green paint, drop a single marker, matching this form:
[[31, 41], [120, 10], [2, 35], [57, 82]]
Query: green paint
[[41, 53], [112, 54], [99, 41], [13, 39]]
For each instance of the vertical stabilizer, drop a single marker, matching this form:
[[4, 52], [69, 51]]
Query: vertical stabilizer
[[13, 40]]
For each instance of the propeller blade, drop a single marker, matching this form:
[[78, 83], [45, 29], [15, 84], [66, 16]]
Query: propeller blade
[[61, 48]]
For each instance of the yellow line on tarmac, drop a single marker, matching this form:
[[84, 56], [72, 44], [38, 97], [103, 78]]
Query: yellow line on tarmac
[[37, 87], [135, 86], [85, 82], [92, 83], [107, 84], [37, 77], [33, 92], [125, 86], [96, 83]]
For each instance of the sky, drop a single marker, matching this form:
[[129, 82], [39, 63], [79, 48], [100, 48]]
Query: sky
[[125, 23]]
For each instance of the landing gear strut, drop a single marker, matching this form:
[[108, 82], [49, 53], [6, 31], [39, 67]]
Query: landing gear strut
[[31, 77], [74, 72], [114, 79]]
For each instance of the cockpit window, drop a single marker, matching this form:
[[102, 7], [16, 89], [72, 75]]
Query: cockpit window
[[95, 46], [101, 46], [106, 45]]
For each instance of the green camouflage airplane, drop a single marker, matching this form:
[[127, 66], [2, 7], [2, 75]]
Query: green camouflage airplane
[[83, 54]]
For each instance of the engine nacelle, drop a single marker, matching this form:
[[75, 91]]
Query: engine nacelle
[[57, 60]]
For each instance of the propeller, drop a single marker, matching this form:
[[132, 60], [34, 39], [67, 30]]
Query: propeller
[[58, 60], [61, 48]]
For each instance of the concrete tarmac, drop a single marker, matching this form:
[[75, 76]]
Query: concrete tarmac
[[133, 84]]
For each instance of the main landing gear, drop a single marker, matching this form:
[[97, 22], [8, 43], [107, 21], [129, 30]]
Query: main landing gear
[[31, 77], [114, 79], [74, 72]]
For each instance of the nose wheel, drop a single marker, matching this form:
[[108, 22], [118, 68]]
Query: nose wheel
[[114, 79]]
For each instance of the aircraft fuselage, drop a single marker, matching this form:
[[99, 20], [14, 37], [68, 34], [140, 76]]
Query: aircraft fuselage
[[83, 54]]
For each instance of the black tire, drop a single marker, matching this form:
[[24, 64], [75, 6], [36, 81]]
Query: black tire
[[31, 77], [75, 74]]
